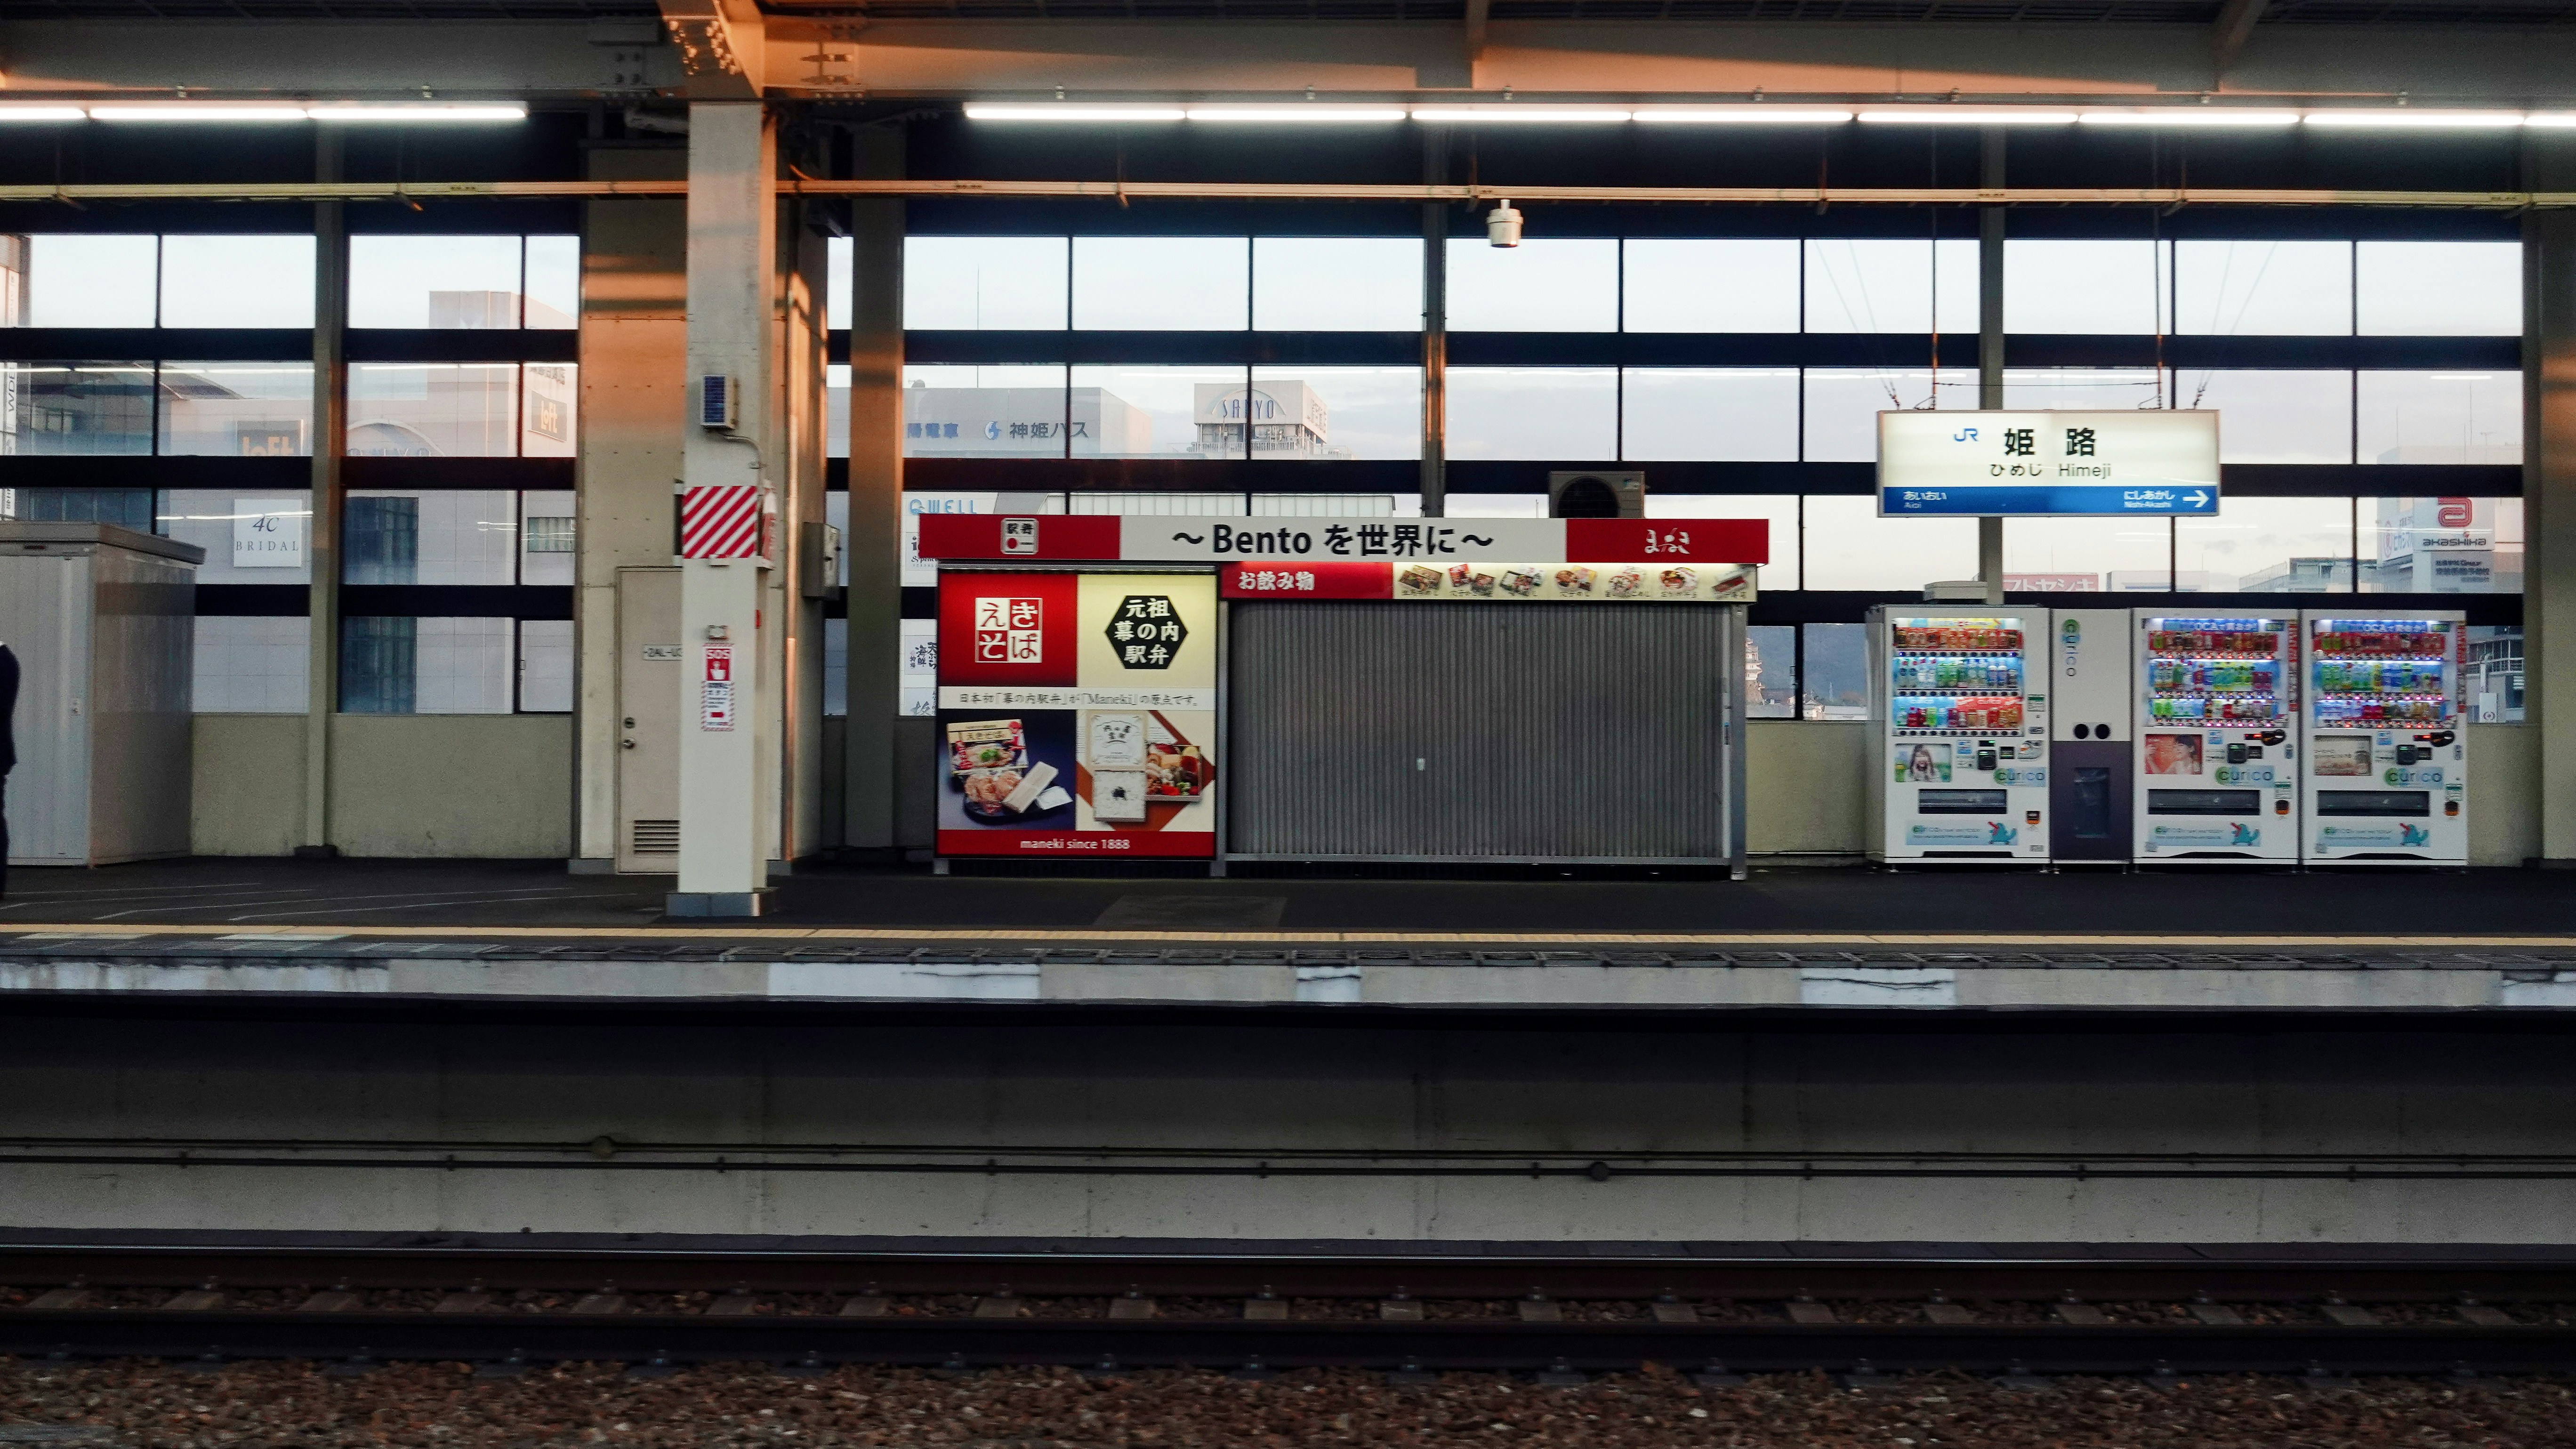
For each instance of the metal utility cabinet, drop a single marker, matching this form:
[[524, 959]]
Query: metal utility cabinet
[[103, 621]]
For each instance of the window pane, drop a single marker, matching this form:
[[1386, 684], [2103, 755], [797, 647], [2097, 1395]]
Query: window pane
[[434, 281], [1779, 510], [2274, 416], [1688, 414], [1363, 412], [1771, 671], [1835, 683], [836, 410], [2494, 682], [1556, 413], [2441, 545], [237, 409], [2084, 286], [1843, 404], [554, 283], [1337, 284], [462, 666], [1322, 505], [2439, 417], [2263, 288], [836, 667], [75, 409], [248, 538], [433, 409], [545, 666], [840, 266], [1854, 548], [73, 280], [252, 665], [1157, 412], [124, 507], [1156, 501], [983, 283], [2087, 555], [2103, 388], [549, 539], [997, 412], [236, 281], [2266, 546], [2438, 289], [1161, 283], [1559, 285], [463, 537], [402, 665], [548, 410], [1496, 505], [1712, 285], [1886, 286]]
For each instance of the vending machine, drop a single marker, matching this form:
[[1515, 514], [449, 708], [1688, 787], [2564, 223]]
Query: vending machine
[[2090, 742], [2217, 709], [2387, 772], [1960, 700]]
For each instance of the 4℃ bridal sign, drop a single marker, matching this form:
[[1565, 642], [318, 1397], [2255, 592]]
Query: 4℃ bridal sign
[[2066, 464]]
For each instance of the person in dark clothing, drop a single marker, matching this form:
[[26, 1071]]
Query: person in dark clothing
[[8, 750]]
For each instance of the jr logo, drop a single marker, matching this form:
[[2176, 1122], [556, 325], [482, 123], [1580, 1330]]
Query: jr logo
[[1964, 435]]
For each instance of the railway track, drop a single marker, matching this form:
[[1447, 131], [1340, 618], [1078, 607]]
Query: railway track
[[1563, 1316]]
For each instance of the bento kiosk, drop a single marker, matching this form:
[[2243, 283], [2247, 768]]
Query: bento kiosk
[[1365, 689]]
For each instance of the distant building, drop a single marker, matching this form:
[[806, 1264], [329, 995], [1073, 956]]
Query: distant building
[[1288, 420]]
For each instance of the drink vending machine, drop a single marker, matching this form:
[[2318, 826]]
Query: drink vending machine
[[1960, 701], [2218, 735], [2387, 770]]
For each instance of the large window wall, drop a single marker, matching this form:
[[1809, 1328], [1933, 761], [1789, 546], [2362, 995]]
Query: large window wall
[[462, 391], [2368, 386]]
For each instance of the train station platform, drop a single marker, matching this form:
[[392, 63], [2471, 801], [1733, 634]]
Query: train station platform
[[1788, 939]]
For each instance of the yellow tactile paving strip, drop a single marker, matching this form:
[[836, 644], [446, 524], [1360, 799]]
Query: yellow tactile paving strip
[[1005, 937]]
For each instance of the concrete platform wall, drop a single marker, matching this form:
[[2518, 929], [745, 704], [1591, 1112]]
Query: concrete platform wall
[[398, 775], [2031, 1103], [493, 786]]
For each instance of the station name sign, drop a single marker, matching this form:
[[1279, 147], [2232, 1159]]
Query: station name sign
[[2048, 464], [1150, 538]]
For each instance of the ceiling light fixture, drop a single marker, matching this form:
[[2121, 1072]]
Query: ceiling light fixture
[[1967, 116], [2243, 117], [1740, 116], [2411, 120], [358, 113], [192, 111], [1299, 115], [1517, 114], [41, 113], [1075, 112]]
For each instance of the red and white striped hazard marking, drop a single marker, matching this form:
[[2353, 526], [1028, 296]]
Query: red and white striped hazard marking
[[720, 521]]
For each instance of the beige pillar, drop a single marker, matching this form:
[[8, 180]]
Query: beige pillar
[[2549, 491]]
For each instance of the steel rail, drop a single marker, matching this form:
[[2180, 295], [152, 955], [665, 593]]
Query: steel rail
[[1488, 1345], [1597, 1170], [2157, 196], [1075, 1268]]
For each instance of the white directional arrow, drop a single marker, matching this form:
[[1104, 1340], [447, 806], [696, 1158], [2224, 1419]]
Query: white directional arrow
[[2195, 498]]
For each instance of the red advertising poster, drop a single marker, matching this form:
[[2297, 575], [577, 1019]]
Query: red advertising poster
[[1077, 714], [1653, 540], [1035, 538]]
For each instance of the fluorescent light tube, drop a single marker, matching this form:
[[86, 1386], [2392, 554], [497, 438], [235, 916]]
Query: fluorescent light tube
[[426, 112], [1515, 114], [2214, 116], [196, 111], [1967, 116], [1758, 115], [1297, 115], [1074, 112], [41, 113], [2397, 120]]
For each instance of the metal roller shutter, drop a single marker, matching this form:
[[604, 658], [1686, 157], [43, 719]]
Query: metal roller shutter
[[1477, 731]]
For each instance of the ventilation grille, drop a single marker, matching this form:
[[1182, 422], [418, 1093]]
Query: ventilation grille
[[655, 837]]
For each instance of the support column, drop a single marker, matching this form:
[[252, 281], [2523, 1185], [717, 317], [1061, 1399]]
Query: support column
[[875, 628], [729, 769], [2549, 493], [322, 529], [1435, 328], [1990, 340]]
